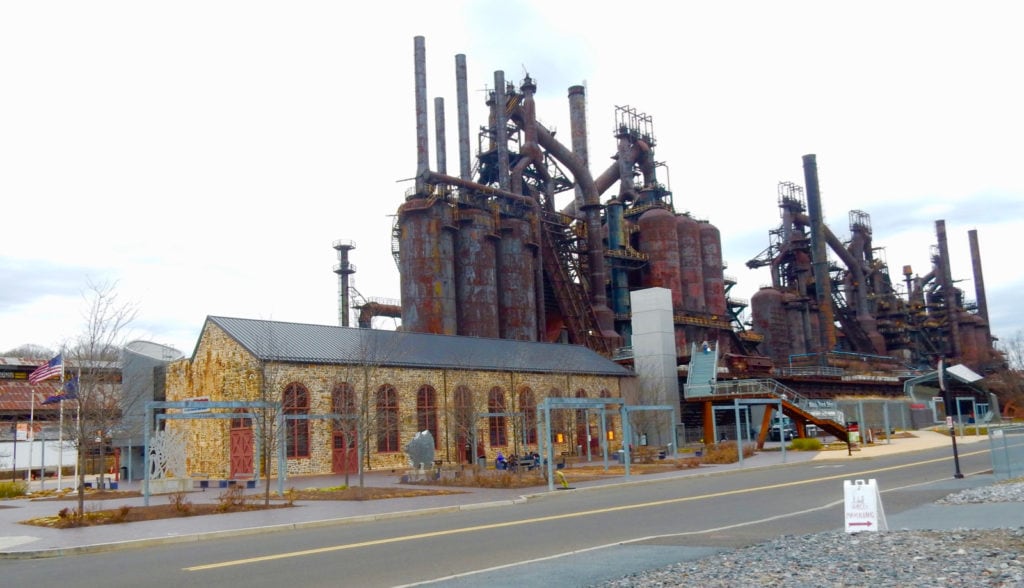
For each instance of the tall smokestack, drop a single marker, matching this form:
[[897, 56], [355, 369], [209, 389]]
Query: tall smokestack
[[422, 139], [979, 281], [946, 280], [501, 129], [442, 148], [822, 281], [462, 97]]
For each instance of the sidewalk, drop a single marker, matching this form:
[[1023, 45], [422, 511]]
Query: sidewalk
[[27, 541]]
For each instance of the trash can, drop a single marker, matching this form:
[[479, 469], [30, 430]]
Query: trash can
[[853, 431], [482, 462]]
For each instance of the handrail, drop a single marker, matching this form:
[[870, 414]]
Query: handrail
[[771, 387]]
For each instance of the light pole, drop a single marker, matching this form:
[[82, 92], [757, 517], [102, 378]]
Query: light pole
[[947, 399]]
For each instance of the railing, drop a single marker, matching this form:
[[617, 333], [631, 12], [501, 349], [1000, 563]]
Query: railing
[[770, 387], [814, 370]]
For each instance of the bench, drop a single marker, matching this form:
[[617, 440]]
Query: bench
[[526, 463]]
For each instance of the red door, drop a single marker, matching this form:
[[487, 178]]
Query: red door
[[242, 448], [344, 459]]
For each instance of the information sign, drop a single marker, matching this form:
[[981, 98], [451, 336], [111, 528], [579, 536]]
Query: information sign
[[864, 510]]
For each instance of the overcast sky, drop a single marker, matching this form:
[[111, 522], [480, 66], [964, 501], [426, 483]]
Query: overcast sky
[[204, 156]]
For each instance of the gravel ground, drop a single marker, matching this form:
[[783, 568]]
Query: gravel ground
[[971, 558]]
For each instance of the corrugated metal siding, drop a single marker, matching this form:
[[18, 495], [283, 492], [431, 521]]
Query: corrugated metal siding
[[302, 343]]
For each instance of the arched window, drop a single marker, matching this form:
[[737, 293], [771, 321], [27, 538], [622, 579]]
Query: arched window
[[496, 424], [464, 422], [387, 419], [426, 411], [343, 401], [528, 406], [582, 430], [295, 402]]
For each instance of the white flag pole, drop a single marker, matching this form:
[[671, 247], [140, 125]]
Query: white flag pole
[[78, 432], [60, 448], [31, 436]]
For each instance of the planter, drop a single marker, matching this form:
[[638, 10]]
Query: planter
[[169, 485]]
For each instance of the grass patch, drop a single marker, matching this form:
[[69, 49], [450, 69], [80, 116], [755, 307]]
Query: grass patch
[[805, 444]]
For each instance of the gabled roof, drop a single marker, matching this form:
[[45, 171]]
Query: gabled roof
[[322, 344]]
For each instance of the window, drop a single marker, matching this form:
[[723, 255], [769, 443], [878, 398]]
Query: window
[[463, 421], [496, 424], [426, 411], [581, 421], [387, 419], [528, 406], [296, 403]]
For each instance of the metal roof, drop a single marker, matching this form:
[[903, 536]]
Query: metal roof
[[322, 344]]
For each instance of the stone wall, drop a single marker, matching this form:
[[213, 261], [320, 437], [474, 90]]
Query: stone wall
[[224, 371]]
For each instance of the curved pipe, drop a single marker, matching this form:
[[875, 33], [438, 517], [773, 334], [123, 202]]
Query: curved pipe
[[526, 112]]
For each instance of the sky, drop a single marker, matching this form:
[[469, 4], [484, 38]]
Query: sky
[[203, 157]]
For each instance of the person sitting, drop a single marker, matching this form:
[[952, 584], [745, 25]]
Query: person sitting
[[499, 462]]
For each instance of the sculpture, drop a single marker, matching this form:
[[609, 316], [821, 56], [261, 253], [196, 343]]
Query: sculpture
[[420, 450]]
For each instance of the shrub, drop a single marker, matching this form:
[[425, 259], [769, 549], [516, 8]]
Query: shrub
[[805, 444], [181, 505], [725, 452], [121, 514], [232, 499], [13, 489], [685, 463]]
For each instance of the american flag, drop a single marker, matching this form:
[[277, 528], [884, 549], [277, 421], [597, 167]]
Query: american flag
[[54, 367]]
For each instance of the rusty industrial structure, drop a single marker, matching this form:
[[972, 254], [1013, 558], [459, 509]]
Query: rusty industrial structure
[[485, 252], [814, 307]]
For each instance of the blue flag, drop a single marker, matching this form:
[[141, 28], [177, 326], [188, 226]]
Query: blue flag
[[69, 391]]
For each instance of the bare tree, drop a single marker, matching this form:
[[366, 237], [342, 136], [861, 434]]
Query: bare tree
[[30, 351], [1008, 382], [375, 403], [93, 356], [270, 393]]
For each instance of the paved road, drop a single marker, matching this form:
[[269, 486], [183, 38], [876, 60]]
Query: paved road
[[394, 520]]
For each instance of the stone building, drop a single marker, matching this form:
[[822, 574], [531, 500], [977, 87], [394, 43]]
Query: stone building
[[340, 387]]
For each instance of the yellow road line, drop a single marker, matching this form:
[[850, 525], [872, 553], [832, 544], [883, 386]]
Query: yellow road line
[[333, 548]]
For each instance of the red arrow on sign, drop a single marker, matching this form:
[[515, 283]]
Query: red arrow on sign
[[864, 524]]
